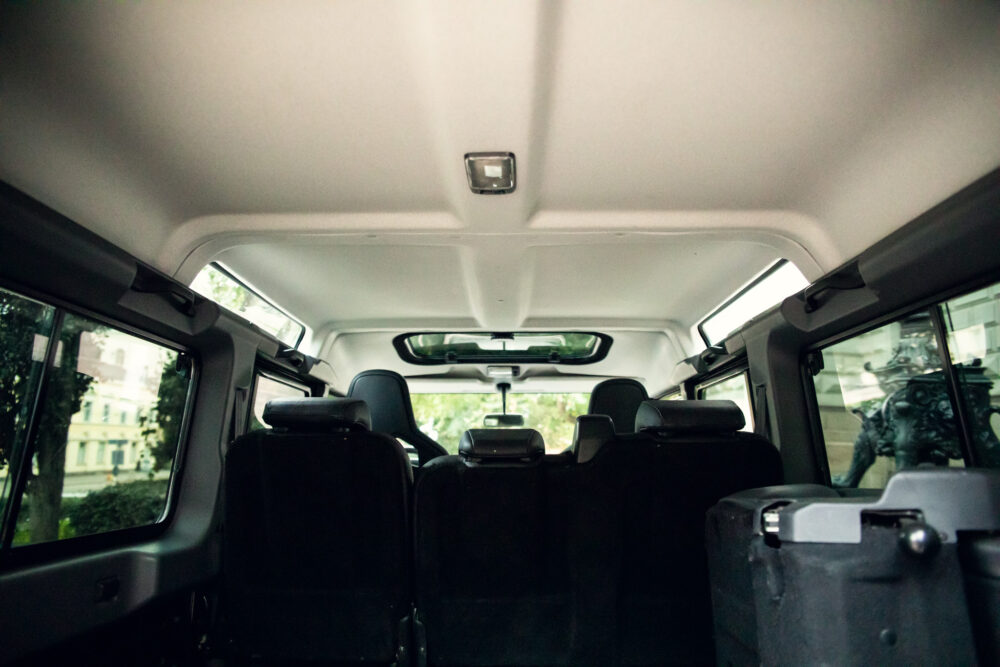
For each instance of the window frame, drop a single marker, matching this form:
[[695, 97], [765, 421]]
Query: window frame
[[12, 557], [932, 305]]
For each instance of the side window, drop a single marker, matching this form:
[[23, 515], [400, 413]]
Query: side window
[[973, 326], [884, 404], [267, 388], [674, 395], [85, 474], [25, 330], [735, 388]]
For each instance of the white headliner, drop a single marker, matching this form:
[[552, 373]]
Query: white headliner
[[666, 151]]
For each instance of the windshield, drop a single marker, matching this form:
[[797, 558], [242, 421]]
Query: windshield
[[445, 417]]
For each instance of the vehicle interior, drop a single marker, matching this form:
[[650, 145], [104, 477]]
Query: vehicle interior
[[534, 333]]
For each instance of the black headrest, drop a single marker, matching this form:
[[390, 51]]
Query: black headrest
[[618, 398], [502, 444], [389, 398], [687, 416], [318, 414], [592, 431]]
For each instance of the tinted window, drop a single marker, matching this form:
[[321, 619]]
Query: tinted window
[[25, 331], [735, 389], [87, 474], [973, 325], [884, 404]]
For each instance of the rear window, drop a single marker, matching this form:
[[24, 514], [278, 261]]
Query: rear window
[[887, 397], [445, 417], [98, 452], [472, 347]]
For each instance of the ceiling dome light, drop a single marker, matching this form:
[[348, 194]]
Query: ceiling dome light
[[490, 173]]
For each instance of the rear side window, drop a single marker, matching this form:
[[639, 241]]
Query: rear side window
[[972, 323], [735, 388], [93, 418], [883, 404], [903, 395], [268, 388]]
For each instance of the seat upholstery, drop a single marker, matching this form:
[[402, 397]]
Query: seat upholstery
[[589, 435], [388, 398], [316, 536], [498, 579], [618, 398], [685, 457]]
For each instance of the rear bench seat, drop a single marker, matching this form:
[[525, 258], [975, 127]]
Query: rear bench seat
[[520, 559], [500, 579]]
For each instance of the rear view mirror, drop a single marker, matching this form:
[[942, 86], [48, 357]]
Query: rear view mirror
[[503, 420]]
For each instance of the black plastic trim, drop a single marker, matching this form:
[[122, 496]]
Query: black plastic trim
[[603, 346]]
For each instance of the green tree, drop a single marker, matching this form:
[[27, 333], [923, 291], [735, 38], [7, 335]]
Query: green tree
[[20, 321], [24, 323], [118, 506], [63, 395], [447, 416], [162, 429]]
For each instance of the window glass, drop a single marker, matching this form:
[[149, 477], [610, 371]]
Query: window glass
[[676, 395], [781, 280], [735, 389], [973, 324], [556, 347], [68, 493], [266, 389], [25, 329], [884, 405], [227, 291], [445, 417]]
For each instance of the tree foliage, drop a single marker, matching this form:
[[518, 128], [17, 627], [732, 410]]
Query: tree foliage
[[445, 417], [118, 506], [20, 321], [162, 429]]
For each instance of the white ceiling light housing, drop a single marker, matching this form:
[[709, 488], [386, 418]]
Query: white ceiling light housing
[[490, 173]]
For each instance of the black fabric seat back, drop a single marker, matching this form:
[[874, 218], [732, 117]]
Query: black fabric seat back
[[388, 398], [685, 456], [618, 398], [316, 536], [495, 576]]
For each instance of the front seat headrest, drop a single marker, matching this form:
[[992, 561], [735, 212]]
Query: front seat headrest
[[318, 414], [501, 444], [618, 398], [687, 416], [388, 397]]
